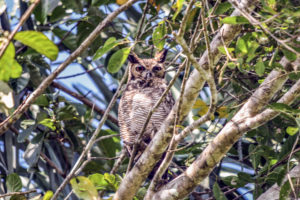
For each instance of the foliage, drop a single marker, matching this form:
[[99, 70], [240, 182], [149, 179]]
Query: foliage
[[46, 141]]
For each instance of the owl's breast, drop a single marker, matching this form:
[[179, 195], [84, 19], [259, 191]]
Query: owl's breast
[[136, 105]]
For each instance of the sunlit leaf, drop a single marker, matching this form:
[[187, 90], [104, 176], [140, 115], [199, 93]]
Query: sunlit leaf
[[9, 67], [292, 130], [98, 180], [121, 2], [84, 188], [48, 123], [48, 195], [117, 60], [177, 6], [108, 45], [242, 46], [158, 35], [222, 111], [235, 20], [39, 42]]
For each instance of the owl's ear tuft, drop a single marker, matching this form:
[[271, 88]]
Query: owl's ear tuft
[[161, 56], [133, 58]]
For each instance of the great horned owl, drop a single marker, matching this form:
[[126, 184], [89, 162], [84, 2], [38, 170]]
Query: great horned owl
[[146, 84]]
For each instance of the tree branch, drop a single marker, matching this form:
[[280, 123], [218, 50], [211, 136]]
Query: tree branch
[[240, 123], [159, 143], [33, 96], [16, 193]]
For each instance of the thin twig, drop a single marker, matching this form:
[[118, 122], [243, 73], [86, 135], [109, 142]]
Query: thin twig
[[106, 137], [23, 19], [51, 163], [210, 61], [142, 21], [79, 74], [69, 195], [16, 193], [119, 161]]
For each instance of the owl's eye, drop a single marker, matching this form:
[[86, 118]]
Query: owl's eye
[[140, 68], [156, 68]]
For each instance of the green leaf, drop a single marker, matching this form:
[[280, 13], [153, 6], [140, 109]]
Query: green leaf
[[235, 20], [178, 6], [222, 8], [67, 112], [25, 134], [42, 100], [289, 55], [260, 68], [32, 153], [158, 35], [108, 45], [241, 45], [218, 194], [292, 130], [9, 67], [16, 69], [99, 181], [110, 178], [27, 122], [13, 183], [18, 197], [48, 123], [39, 42], [48, 195], [117, 60], [84, 188]]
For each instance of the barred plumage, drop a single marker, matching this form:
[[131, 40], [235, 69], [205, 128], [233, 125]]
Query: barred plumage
[[145, 86]]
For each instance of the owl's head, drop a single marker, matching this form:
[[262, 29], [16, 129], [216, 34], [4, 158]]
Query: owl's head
[[147, 69]]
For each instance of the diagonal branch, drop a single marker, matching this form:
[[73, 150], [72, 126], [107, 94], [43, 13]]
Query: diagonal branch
[[33, 96], [240, 123]]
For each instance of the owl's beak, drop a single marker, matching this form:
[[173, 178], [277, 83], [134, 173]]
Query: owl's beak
[[149, 75]]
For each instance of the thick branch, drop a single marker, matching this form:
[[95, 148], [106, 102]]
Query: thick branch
[[159, 143], [33, 96], [241, 123]]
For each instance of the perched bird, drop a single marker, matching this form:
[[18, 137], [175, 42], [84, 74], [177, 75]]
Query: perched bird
[[146, 84]]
